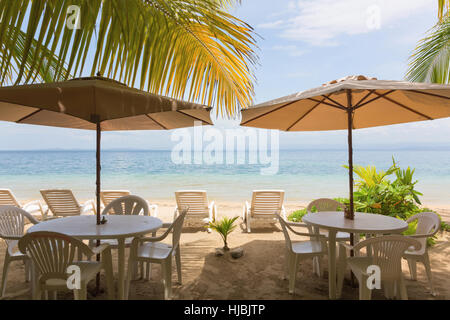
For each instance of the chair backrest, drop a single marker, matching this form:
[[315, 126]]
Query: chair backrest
[[177, 227], [428, 224], [127, 205], [52, 253], [12, 221], [195, 200], [266, 202], [107, 196], [324, 204], [386, 252], [61, 202], [7, 198]]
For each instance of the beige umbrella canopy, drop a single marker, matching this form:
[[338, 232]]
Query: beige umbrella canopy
[[81, 103], [351, 103], [97, 103]]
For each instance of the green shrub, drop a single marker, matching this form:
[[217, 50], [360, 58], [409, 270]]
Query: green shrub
[[375, 193]]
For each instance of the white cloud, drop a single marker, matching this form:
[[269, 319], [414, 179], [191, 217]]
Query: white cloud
[[320, 22], [271, 25], [291, 50]]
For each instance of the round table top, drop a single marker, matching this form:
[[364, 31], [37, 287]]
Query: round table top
[[363, 222], [85, 227]]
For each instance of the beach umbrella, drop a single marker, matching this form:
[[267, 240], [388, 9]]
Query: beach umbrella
[[97, 103], [349, 103]]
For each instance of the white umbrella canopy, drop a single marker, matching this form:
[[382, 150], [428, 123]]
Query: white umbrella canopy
[[97, 103], [352, 102]]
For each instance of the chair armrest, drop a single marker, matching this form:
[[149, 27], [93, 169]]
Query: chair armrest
[[40, 208], [100, 248], [10, 237], [346, 246], [297, 224], [428, 235], [289, 225]]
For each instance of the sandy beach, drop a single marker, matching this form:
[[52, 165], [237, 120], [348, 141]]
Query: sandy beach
[[257, 275]]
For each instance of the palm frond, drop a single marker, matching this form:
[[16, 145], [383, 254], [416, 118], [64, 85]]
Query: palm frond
[[13, 55], [187, 49], [443, 9], [430, 61]]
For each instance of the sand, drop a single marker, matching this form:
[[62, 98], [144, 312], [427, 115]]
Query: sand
[[257, 275]]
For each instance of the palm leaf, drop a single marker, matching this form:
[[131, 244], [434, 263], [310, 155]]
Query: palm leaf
[[430, 61], [187, 49]]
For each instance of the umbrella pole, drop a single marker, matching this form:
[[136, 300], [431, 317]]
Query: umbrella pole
[[97, 193], [350, 168]]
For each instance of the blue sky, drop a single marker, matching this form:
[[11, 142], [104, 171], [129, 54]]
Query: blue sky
[[302, 44]]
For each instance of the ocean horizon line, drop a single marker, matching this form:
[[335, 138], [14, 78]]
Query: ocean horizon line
[[405, 148]]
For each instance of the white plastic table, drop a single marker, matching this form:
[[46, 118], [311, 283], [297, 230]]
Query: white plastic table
[[334, 221], [117, 227]]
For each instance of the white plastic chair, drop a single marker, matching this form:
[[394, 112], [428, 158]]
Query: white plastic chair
[[386, 253], [300, 250], [200, 211], [12, 227], [62, 203], [52, 253], [265, 206], [152, 250], [325, 204], [126, 205], [107, 196], [428, 224], [35, 207]]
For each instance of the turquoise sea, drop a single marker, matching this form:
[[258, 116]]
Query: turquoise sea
[[304, 175]]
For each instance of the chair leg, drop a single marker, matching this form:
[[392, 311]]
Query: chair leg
[[286, 264], [247, 224], [141, 268], [364, 292], [293, 261], [27, 263], [37, 293], [167, 271], [412, 268], [5, 274], [426, 262], [178, 262], [341, 272], [148, 271], [80, 294], [401, 288], [54, 295], [107, 265], [389, 289]]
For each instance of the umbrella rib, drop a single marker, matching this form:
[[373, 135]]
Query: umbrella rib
[[364, 98], [407, 108], [186, 114], [334, 101], [158, 123], [302, 117], [379, 96], [431, 94], [29, 115], [328, 104], [264, 114]]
